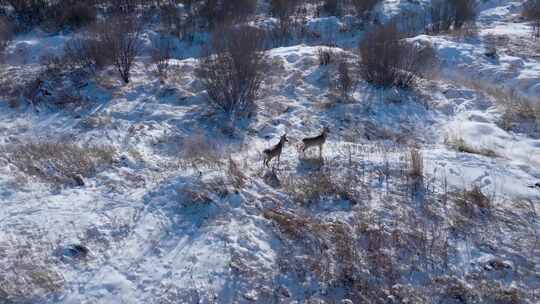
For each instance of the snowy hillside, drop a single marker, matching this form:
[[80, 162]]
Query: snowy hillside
[[428, 194]]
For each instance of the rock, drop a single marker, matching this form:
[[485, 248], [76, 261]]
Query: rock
[[497, 264], [491, 52], [76, 251], [79, 180], [284, 291]]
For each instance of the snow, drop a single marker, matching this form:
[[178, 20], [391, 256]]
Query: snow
[[148, 243]]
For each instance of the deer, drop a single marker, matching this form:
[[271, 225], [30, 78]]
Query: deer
[[318, 140], [275, 151]]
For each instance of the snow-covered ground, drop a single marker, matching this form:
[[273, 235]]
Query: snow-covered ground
[[162, 226]]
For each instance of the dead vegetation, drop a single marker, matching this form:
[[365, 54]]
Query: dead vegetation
[[531, 12], [232, 69], [518, 112], [319, 185], [457, 143], [473, 202], [389, 61], [26, 276], [59, 163]]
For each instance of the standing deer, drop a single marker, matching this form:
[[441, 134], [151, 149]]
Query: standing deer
[[270, 153], [319, 140]]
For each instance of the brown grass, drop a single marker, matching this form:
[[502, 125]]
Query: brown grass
[[471, 202], [319, 185], [57, 162], [459, 144]]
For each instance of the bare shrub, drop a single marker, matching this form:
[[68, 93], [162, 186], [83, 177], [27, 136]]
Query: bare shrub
[[87, 52], [416, 169], [28, 12], [473, 201], [364, 7], [6, 34], [332, 7], [121, 36], [58, 162], [452, 14], [531, 12], [387, 60], [465, 12], [71, 13], [216, 12], [325, 56], [52, 15], [283, 11], [233, 74], [283, 8], [345, 82], [161, 55]]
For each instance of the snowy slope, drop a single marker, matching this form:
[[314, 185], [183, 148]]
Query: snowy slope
[[163, 230]]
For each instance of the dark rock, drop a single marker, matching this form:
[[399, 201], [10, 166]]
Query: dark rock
[[76, 251], [79, 180]]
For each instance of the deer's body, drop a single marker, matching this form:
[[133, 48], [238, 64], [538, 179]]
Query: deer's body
[[319, 141], [275, 151]]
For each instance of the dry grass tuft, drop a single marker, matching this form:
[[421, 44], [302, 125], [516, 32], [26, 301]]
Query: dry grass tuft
[[416, 169], [459, 144], [473, 202], [318, 185], [59, 163]]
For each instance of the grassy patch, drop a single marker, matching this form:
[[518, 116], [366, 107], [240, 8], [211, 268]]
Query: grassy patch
[[58, 163]]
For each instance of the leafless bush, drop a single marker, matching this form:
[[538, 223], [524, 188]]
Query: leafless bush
[[28, 12], [345, 82], [473, 201], [121, 36], [161, 55], [71, 13], [448, 14], [283, 11], [531, 11], [283, 8], [6, 34], [364, 7], [215, 12], [233, 74], [387, 60], [416, 164], [332, 7], [52, 15], [325, 56], [58, 162], [88, 51]]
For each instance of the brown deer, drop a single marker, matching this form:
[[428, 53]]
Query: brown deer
[[270, 153], [319, 140]]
